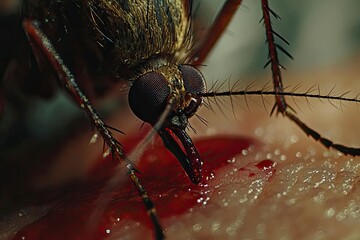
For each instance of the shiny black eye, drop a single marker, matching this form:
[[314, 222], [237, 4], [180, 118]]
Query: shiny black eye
[[194, 81], [148, 95]]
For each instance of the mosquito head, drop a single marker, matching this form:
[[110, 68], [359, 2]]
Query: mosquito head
[[179, 86]]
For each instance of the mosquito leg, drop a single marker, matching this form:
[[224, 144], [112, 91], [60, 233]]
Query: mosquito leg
[[273, 57], [324, 141], [280, 104], [218, 27], [150, 208], [37, 37], [40, 41]]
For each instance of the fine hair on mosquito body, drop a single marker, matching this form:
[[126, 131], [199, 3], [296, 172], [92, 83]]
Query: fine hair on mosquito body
[[156, 52]]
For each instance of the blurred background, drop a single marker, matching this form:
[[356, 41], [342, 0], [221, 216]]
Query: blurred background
[[320, 34]]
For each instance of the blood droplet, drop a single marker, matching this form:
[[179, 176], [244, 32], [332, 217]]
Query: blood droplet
[[265, 164]]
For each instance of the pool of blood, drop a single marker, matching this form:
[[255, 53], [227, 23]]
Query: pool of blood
[[160, 173]]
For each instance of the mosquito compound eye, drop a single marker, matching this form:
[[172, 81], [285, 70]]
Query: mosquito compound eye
[[148, 95], [194, 81]]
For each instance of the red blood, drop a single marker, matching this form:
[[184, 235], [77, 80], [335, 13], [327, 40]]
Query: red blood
[[265, 164], [253, 169], [162, 176]]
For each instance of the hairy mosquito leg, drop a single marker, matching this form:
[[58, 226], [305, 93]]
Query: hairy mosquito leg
[[273, 57], [280, 104], [213, 34], [40, 41], [150, 208], [324, 141]]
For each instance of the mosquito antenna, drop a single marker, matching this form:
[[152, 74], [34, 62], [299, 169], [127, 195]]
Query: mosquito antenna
[[308, 131], [232, 106], [273, 93]]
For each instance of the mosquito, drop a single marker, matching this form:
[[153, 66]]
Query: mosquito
[[149, 46]]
